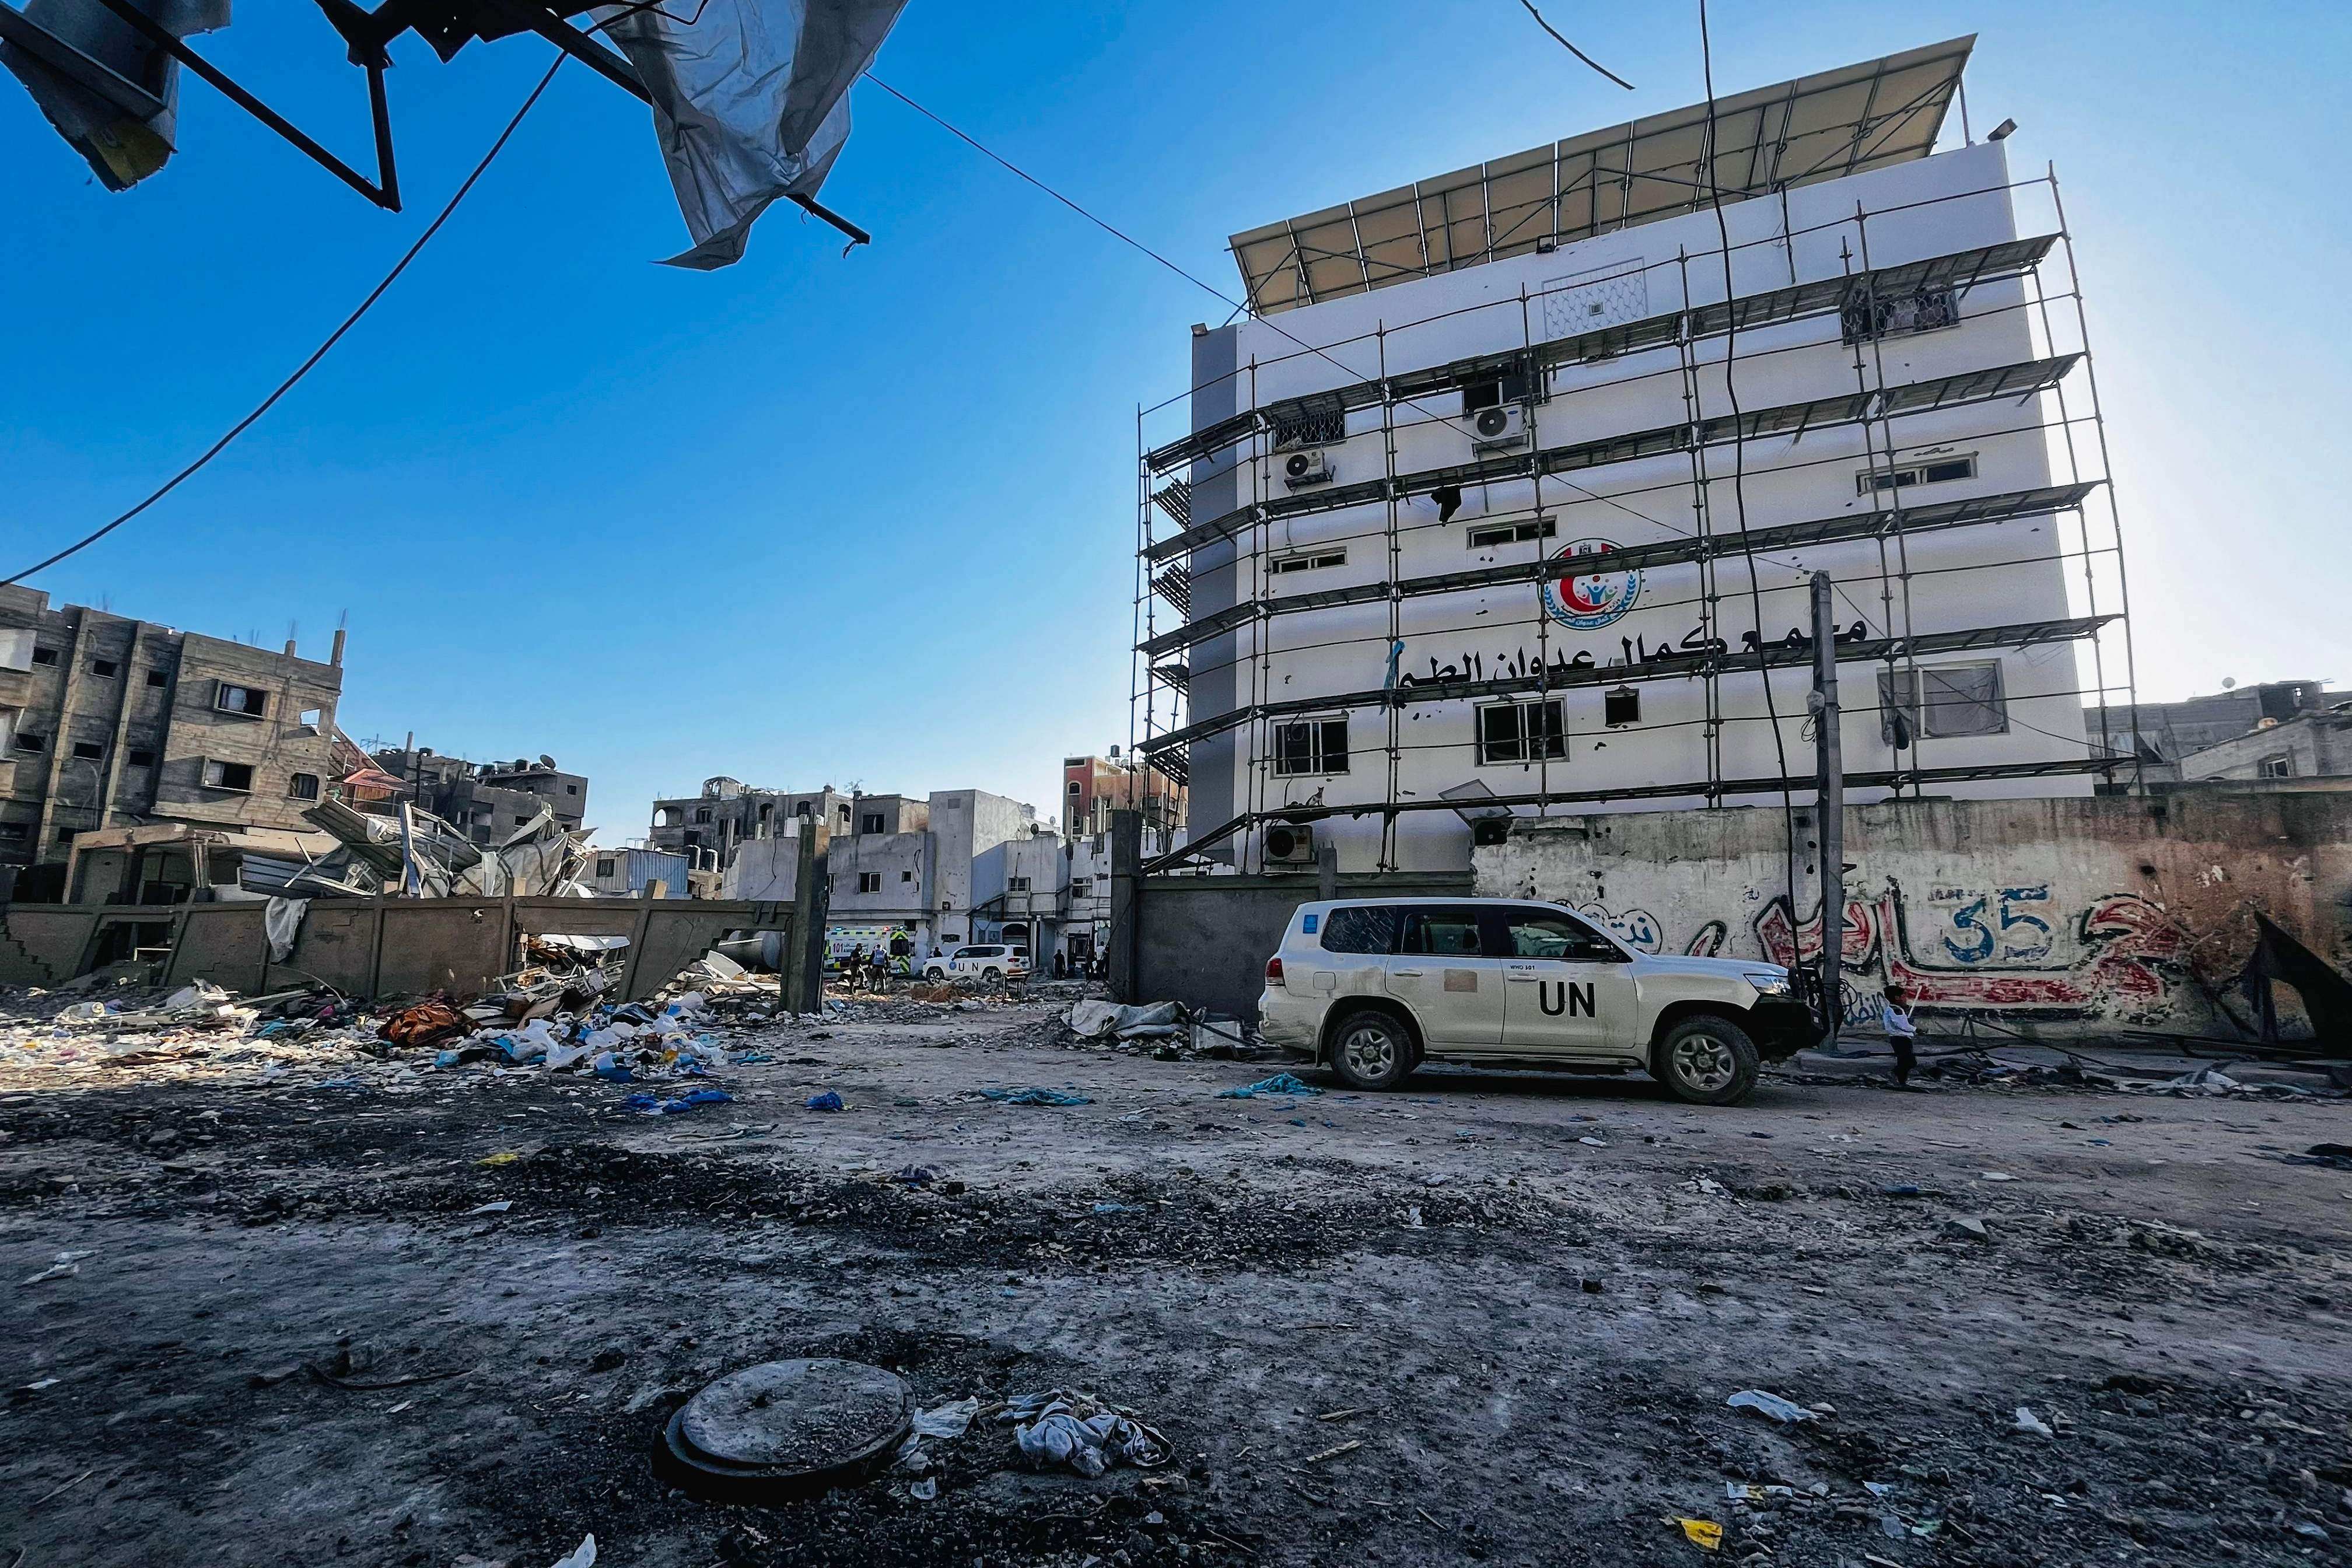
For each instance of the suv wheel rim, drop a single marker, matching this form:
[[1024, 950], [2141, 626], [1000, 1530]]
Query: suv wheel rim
[[1704, 1062], [1368, 1051]]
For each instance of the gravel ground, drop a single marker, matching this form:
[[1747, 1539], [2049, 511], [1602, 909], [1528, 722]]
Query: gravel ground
[[1495, 1316]]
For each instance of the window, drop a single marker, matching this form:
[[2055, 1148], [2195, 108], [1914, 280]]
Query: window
[[1521, 732], [1445, 931], [1077, 788], [691, 839], [1935, 473], [90, 751], [1623, 706], [1016, 884], [1556, 934], [1081, 887], [229, 775], [44, 656], [65, 834], [804, 812], [1893, 315], [14, 832], [159, 677], [906, 876], [523, 821], [2277, 767], [301, 786], [1493, 392], [27, 741], [1513, 532], [845, 817], [1310, 746], [701, 814], [1314, 561], [104, 668], [1961, 699], [869, 822], [1309, 422], [604, 865], [1371, 930], [869, 881], [574, 789], [140, 759], [250, 700]]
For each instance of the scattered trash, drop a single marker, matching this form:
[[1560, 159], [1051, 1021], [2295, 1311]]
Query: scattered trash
[[500, 1206], [1034, 1097], [503, 1157], [1117, 1208], [1280, 1083], [582, 1556], [65, 1266], [925, 1490], [1703, 1533], [828, 1100], [426, 1024], [1595, 1143], [1078, 1431], [1900, 1190], [914, 1175], [1785, 1411], [1751, 1492], [946, 1420], [1996, 1175], [2029, 1422], [1091, 1020], [1966, 1227], [1348, 1446], [653, 1105]]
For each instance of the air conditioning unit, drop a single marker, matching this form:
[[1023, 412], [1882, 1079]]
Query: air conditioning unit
[[1308, 466], [1290, 844], [1498, 429]]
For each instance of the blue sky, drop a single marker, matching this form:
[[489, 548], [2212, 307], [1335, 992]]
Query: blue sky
[[818, 520]]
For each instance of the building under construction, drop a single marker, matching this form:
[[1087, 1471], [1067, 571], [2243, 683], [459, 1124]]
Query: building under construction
[[1505, 493]]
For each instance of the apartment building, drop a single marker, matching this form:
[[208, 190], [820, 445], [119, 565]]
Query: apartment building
[[486, 800]]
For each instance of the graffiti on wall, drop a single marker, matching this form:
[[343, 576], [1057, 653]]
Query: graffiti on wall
[[2005, 950]]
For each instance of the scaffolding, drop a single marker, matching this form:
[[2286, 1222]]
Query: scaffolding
[[1695, 349]]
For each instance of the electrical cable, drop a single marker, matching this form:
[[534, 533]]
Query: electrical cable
[[1572, 49], [320, 352], [1739, 474]]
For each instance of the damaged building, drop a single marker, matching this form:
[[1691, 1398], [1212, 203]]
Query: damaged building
[[486, 798], [108, 723]]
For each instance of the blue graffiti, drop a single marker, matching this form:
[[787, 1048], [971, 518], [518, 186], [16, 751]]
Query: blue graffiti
[[1993, 922]]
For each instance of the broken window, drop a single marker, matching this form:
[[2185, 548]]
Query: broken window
[[90, 751], [1016, 884], [159, 677], [702, 814], [1876, 316], [604, 865], [1623, 706], [869, 881], [1513, 532], [103, 668], [27, 741], [1940, 472], [906, 876], [47, 655], [249, 700], [1961, 699], [1521, 732], [14, 832], [310, 719], [1310, 746], [302, 786], [1081, 887], [236, 777], [2276, 767], [142, 759], [870, 822]]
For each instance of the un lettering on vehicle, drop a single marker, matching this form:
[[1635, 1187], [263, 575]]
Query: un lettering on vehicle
[[1571, 997]]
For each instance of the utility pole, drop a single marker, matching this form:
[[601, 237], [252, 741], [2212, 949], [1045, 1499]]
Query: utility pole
[[1830, 796]]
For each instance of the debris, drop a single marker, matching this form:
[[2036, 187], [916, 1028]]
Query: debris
[[503, 1157], [426, 1024], [1280, 1083], [828, 1100], [1091, 1020], [1339, 1414], [1348, 1446], [925, 1490], [1594, 1143], [2029, 1422], [1034, 1097], [946, 1420], [653, 1105], [1109, 1208], [1786, 1412], [581, 1556], [1900, 1190], [1703, 1533], [1076, 1430], [67, 1264], [1966, 1227], [500, 1206]]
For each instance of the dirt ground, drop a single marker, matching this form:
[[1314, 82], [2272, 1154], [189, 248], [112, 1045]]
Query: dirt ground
[[1491, 1318]]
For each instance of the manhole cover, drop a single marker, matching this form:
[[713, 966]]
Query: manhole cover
[[786, 1428]]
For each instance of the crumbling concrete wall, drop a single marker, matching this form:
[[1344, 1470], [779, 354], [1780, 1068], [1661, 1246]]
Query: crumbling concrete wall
[[2055, 917]]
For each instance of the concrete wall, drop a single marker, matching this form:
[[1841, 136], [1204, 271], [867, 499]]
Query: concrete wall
[[372, 948], [2316, 746], [2064, 916]]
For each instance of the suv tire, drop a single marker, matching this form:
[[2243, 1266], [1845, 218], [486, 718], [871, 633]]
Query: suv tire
[[1373, 1050], [1707, 1059], [993, 976], [935, 974]]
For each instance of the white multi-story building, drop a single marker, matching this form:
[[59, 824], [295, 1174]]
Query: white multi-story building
[[1465, 508]]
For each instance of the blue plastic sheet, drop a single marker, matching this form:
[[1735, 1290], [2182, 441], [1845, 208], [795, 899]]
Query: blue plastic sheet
[[1034, 1097], [653, 1105], [1280, 1083], [828, 1100]]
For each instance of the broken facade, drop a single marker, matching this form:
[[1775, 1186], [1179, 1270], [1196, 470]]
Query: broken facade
[[107, 721], [486, 799]]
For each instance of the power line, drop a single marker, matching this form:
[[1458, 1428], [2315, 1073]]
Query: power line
[[1572, 49], [320, 352]]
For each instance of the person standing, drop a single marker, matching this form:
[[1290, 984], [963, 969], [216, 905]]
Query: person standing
[[1895, 1017]]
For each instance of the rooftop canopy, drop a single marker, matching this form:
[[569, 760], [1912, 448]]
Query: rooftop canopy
[[1800, 133]]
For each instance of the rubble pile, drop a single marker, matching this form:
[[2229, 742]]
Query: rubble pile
[[418, 855]]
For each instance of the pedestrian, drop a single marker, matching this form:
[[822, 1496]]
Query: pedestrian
[[1061, 964], [1895, 1017]]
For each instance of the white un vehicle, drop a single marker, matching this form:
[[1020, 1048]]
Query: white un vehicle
[[1374, 988], [986, 960]]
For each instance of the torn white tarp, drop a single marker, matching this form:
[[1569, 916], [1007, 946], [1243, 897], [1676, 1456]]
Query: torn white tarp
[[282, 922], [751, 101], [107, 89]]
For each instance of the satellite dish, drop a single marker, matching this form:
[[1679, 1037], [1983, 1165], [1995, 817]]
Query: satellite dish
[[545, 761], [2228, 681]]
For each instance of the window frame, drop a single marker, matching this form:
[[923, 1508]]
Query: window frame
[[869, 881], [205, 776], [294, 790], [1599, 946], [1495, 535], [1916, 708], [1553, 746], [1913, 473], [221, 689], [1411, 930], [1303, 560], [1395, 913], [2277, 766], [1317, 754]]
